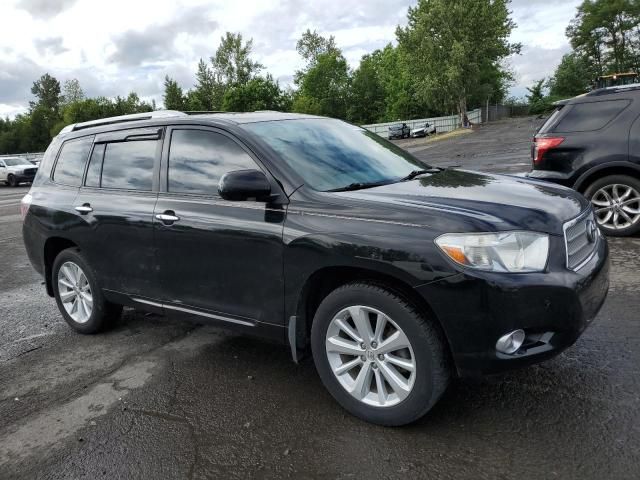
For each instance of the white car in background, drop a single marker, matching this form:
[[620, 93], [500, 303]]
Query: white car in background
[[424, 130], [15, 170]]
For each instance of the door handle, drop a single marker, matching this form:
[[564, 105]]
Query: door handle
[[167, 217], [84, 209]]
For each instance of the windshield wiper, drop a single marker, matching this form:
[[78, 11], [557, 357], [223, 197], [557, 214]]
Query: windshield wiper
[[417, 173], [358, 186]]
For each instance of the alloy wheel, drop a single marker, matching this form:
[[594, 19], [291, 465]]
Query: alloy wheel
[[370, 356], [616, 206], [75, 292]]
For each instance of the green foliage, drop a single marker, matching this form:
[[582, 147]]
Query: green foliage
[[173, 98], [572, 77], [456, 50], [259, 93], [606, 34], [538, 101], [232, 61], [367, 100], [324, 87]]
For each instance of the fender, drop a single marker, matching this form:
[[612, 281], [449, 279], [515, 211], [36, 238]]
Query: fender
[[580, 182]]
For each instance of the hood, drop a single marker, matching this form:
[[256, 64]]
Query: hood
[[479, 201], [22, 166]]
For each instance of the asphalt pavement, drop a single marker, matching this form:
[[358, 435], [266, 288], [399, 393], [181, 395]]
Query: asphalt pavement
[[155, 398]]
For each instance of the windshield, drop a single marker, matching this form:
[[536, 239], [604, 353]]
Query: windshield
[[14, 162], [330, 154]]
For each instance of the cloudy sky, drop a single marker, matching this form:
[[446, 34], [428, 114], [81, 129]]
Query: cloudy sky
[[117, 46]]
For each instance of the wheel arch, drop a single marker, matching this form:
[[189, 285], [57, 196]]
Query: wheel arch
[[604, 170], [326, 279], [52, 247]]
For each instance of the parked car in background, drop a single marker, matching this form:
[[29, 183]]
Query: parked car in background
[[400, 130], [424, 130], [591, 143], [15, 170], [395, 275]]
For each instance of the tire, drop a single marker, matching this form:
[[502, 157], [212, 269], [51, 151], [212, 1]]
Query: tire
[[12, 181], [426, 350], [102, 313], [606, 191]]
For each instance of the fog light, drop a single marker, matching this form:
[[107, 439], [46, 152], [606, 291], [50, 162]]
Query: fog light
[[511, 342]]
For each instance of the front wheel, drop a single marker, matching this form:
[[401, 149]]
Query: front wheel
[[12, 181], [78, 295], [380, 358], [616, 202]]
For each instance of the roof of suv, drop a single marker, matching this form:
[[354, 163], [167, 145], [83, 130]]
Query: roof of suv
[[113, 123], [632, 88]]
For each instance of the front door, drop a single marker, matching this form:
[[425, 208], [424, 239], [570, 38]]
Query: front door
[[215, 258]]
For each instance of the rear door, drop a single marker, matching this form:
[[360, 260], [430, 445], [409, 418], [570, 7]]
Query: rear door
[[116, 202], [218, 259]]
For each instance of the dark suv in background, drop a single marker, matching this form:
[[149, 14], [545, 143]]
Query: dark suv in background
[[319, 235], [592, 143]]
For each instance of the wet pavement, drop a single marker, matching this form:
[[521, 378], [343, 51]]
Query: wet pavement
[[154, 398]]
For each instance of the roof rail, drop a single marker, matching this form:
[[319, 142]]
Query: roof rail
[[122, 119]]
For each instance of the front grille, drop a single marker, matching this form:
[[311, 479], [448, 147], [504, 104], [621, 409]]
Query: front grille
[[580, 238], [30, 171]]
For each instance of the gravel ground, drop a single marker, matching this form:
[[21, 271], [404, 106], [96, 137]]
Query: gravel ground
[[155, 398]]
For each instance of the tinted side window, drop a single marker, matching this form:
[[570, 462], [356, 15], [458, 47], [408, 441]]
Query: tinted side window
[[198, 158], [95, 166], [71, 161], [585, 117], [129, 165]]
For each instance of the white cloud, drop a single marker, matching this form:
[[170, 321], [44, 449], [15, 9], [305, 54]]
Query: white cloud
[[112, 53]]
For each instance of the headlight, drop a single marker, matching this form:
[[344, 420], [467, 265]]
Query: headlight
[[497, 252]]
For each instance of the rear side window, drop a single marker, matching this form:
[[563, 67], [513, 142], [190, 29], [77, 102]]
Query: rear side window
[[71, 161], [95, 166], [128, 165], [198, 158], [546, 126], [586, 117]]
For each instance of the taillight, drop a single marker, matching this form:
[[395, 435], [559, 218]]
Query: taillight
[[25, 203], [543, 144]]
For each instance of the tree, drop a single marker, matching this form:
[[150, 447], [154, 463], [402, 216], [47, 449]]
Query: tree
[[324, 87], [367, 99], [259, 93], [47, 91], [72, 91], [173, 97], [232, 61], [454, 46], [538, 102], [207, 93], [606, 33], [572, 77], [311, 45]]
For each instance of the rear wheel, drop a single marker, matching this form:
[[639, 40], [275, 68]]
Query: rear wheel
[[12, 181], [378, 356], [616, 202], [78, 295]]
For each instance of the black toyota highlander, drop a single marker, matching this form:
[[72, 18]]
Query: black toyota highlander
[[395, 275]]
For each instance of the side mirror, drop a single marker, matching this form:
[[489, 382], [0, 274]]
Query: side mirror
[[244, 184]]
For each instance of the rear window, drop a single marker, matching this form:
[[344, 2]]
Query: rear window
[[546, 126], [129, 165], [70, 165], [586, 117]]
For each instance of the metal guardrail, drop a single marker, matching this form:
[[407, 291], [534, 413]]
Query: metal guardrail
[[443, 124], [27, 156]]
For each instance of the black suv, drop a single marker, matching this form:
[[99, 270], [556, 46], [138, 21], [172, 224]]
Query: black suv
[[319, 235], [592, 143], [400, 130]]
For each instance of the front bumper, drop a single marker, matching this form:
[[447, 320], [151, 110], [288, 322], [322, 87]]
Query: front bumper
[[25, 177], [554, 308]]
